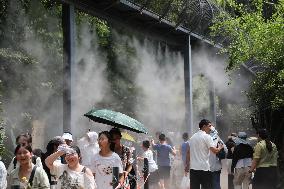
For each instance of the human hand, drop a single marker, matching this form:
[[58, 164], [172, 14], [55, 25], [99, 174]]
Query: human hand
[[186, 169]]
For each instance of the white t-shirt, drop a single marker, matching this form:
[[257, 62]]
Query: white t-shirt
[[102, 167], [67, 178], [152, 164], [200, 144], [3, 175]]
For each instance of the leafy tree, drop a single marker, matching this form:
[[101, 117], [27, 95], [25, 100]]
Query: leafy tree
[[256, 33]]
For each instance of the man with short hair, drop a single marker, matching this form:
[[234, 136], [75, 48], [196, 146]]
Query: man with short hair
[[163, 160], [197, 159]]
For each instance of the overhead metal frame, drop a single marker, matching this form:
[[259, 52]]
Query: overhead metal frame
[[191, 24]]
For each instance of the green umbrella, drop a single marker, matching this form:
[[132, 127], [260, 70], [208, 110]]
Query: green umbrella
[[116, 119]]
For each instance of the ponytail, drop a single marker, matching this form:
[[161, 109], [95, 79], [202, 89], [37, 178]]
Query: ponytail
[[268, 145], [263, 134]]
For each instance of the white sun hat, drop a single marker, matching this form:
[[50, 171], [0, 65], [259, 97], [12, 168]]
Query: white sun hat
[[67, 136]]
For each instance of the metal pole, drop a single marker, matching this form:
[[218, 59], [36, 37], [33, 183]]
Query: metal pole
[[146, 173], [212, 97], [115, 177], [68, 26], [188, 85]]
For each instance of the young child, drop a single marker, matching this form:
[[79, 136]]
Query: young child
[[153, 178]]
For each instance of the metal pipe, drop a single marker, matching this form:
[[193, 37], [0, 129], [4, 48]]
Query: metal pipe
[[115, 177], [188, 85], [146, 173], [68, 26]]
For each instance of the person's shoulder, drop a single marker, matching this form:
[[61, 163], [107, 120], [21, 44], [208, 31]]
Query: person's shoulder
[[169, 146], [114, 155], [39, 170], [2, 165], [89, 171], [260, 144], [205, 136]]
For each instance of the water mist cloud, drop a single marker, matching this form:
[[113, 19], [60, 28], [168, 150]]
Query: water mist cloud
[[161, 83], [90, 85]]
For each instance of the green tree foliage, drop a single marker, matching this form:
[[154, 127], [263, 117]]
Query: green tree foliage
[[256, 33], [30, 56]]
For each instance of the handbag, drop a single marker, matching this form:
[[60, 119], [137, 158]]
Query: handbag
[[185, 182]]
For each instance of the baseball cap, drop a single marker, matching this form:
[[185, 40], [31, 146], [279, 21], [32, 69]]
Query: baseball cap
[[67, 136], [242, 135]]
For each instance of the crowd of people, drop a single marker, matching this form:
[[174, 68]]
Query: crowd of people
[[89, 164], [248, 165]]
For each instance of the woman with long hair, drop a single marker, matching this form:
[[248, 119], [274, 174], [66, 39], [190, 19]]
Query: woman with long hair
[[104, 161], [27, 175], [125, 155], [52, 147], [73, 174], [264, 163]]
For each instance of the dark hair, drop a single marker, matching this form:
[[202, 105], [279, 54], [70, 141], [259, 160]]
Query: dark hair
[[115, 131], [37, 152], [146, 143], [21, 135], [185, 136], [30, 138], [263, 134], [110, 139], [56, 141], [204, 122], [162, 137], [77, 150], [29, 148]]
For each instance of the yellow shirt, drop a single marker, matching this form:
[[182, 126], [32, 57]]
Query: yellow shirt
[[266, 158]]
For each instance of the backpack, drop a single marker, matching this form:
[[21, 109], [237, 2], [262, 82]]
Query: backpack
[[32, 176], [34, 157], [221, 154]]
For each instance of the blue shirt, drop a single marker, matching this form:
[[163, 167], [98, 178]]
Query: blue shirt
[[163, 154], [184, 148]]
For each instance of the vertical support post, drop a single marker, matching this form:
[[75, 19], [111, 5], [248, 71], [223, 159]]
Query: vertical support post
[[188, 85], [68, 26], [212, 98], [146, 173], [115, 177]]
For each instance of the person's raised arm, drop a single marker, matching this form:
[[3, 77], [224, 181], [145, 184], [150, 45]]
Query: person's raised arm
[[153, 142], [51, 159]]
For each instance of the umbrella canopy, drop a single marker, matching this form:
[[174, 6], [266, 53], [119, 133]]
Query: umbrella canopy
[[127, 136], [116, 119]]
